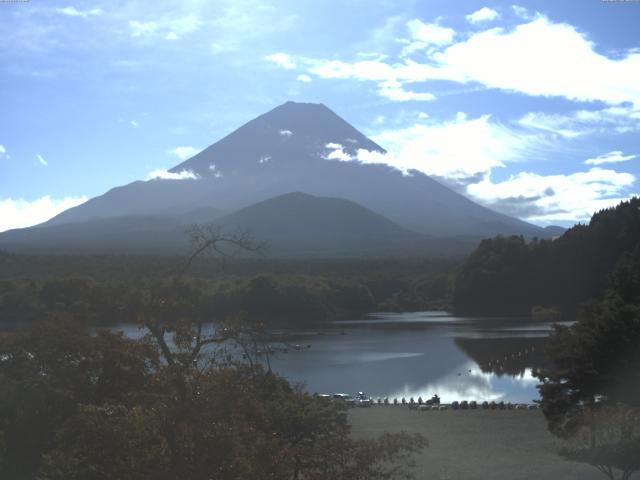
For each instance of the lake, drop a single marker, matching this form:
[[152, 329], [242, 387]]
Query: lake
[[418, 354], [421, 354]]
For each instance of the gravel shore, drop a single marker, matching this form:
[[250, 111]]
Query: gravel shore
[[475, 444]]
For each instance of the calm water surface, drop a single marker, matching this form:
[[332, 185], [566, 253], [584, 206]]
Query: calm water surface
[[418, 354]]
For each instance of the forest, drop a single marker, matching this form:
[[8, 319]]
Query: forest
[[518, 276], [107, 290]]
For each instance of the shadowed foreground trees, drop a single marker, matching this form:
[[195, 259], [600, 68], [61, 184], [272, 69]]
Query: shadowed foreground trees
[[591, 397], [179, 403], [591, 394], [77, 406]]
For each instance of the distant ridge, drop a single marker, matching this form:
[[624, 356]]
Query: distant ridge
[[297, 222], [282, 151], [291, 225]]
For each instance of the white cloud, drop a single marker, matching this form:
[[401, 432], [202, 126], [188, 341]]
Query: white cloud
[[282, 60], [172, 29], [425, 34], [459, 148], [549, 198], [22, 213], [162, 174], [134, 123], [183, 25], [139, 29], [390, 78], [218, 173], [73, 12], [522, 12], [464, 152], [537, 58], [392, 89], [457, 152], [554, 124], [304, 78], [612, 157], [285, 133], [485, 14], [611, 120], [184, 152], [542, 58], [42, 160], [375, 70], [3, 153], [336, 152]]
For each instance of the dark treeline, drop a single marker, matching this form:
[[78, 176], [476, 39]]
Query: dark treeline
[[513, 276], [106, 290], [119, 267], [591, 388], [274, 299]]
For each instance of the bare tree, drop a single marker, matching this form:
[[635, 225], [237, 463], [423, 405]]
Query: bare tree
[[179, 309]]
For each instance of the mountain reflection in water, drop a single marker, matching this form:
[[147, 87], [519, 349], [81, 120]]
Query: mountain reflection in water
[[419, 354]]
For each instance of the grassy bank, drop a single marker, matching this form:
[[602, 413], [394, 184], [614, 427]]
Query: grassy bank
[[475, 444]]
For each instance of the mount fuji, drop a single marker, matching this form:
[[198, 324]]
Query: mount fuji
[[276, 176]]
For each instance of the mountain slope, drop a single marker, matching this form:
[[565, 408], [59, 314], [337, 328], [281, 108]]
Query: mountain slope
[[126, 234], [291, 225], [298, 223], [284, 150]]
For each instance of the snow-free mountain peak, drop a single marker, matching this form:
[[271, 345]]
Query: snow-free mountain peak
[[287, 150], [288, 133]]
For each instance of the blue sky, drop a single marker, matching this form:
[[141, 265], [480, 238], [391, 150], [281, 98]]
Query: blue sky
[[531, 108]]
